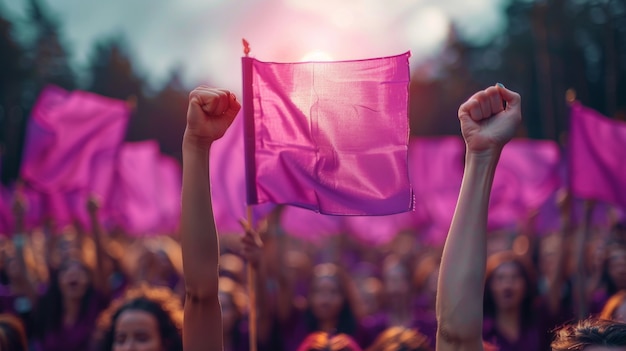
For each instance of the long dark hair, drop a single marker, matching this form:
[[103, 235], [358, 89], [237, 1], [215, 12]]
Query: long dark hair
[[606, 279], [347, 319], [495, 261], [50, 308]]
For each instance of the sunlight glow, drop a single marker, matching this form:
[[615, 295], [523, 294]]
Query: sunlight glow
[[316, 56]]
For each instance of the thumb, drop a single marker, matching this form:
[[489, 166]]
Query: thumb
[[512, 98]]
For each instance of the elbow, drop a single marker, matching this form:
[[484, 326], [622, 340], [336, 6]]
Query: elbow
[[207, 291]]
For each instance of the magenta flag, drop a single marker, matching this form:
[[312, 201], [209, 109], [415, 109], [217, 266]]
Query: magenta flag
[[71, 144], [328, 136], [227, 175], [309, 226], [526, 176], [170, 185], [137, 190], [436, 175], [380, 230], [597, 156]]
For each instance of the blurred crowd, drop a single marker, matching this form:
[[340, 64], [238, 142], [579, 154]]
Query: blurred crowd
[[68, 288]]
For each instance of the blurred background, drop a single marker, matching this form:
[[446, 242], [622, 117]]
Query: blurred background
[[152, 52]]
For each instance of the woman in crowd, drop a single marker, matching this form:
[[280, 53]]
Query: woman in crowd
[[145, 318], [68, 310]]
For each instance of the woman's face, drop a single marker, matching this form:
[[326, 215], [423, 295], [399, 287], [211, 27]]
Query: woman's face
[[507, 286], [396, 282], [137, 330], [617, 267], [73, 281], [229, 312], [326, 298]]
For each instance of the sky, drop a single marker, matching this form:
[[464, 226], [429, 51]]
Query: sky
[[203, 37]]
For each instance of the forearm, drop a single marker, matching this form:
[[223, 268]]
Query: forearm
[[462, 272], [199, 240], [101, 276]]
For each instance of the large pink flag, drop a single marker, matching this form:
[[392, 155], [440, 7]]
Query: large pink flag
[[71, 144], [526, 176], [328, 136], [597, 156], [137, 190]]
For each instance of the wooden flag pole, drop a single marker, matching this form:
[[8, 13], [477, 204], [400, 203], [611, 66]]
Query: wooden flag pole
[[252, 306]]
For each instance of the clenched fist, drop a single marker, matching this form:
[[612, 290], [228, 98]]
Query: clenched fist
[[210, 113], [488, 124]]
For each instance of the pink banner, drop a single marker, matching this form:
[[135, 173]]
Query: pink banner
[[436, 175], [170, 184], [597, 154], [329, 136], [137, 195], [526, 176], [71, 144]]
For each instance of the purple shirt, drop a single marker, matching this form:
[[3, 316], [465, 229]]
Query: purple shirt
[[76, 337]]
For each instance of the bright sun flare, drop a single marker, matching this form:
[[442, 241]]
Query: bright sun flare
[[316, 56]]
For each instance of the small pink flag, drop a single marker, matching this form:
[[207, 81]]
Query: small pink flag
[[436, 175], [136, 195], [526, 176], [597, 156], [71, 144], [170, 185], [328, 136]]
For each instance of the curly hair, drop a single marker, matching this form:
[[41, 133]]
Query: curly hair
[[160, 302], [321, 341], [400, 339], [12, 334], [589, 332]]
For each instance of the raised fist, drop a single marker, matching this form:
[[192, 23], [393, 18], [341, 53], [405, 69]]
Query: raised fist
[[490, 118], [210, 113]]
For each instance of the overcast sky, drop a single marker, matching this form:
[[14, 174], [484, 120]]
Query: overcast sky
[[204, 36]]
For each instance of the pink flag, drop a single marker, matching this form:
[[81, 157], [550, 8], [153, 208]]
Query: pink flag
[[597, 156], [71, 144], [436, 175], [380, 230], [137, 192], [328, 136], [170, 185], [309, 226], [526, 176], [228, 186]]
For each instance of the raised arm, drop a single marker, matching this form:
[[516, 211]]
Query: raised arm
[[487, 126], [101, 281], [210, 113]]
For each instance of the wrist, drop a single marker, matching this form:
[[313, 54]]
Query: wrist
[[193, 142]]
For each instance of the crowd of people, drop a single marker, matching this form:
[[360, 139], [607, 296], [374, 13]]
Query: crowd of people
[[84, 289]]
